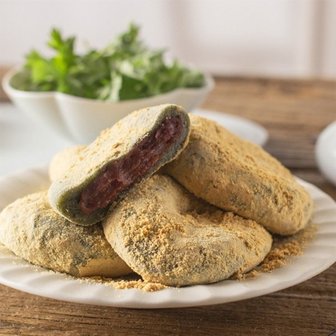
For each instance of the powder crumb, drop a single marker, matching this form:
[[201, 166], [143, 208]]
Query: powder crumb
[[283, 248], [132, 281]]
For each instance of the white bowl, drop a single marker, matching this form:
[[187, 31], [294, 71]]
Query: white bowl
[[82, 119], [325, 152]]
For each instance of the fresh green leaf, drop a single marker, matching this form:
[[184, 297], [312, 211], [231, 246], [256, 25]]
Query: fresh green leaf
[[125, 69]]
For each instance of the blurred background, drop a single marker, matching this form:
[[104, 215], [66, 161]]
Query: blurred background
[[277, 38], [265, 56]]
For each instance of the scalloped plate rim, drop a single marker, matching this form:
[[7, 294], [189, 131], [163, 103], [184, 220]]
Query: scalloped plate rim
[[199, 295]]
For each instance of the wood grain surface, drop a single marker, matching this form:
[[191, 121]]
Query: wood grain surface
[[294, 112]]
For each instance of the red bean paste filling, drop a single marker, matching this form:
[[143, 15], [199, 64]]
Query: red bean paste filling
[[119, 175]]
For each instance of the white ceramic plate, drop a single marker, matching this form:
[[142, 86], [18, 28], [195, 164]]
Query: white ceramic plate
[[16, 273], [244, 128]]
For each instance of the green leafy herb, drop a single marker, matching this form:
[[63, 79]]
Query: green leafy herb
[[125, 69]]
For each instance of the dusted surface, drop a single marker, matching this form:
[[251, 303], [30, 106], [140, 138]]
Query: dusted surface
[[319, 254], [294, 112]]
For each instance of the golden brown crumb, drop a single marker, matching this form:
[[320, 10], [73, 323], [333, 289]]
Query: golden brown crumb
[[63, 161], [236, 175], [282, 250], [111, 148], [132, 281], [33, 231], [168, 236]]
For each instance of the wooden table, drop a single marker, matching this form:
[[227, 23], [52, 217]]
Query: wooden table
[[294, 112]]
